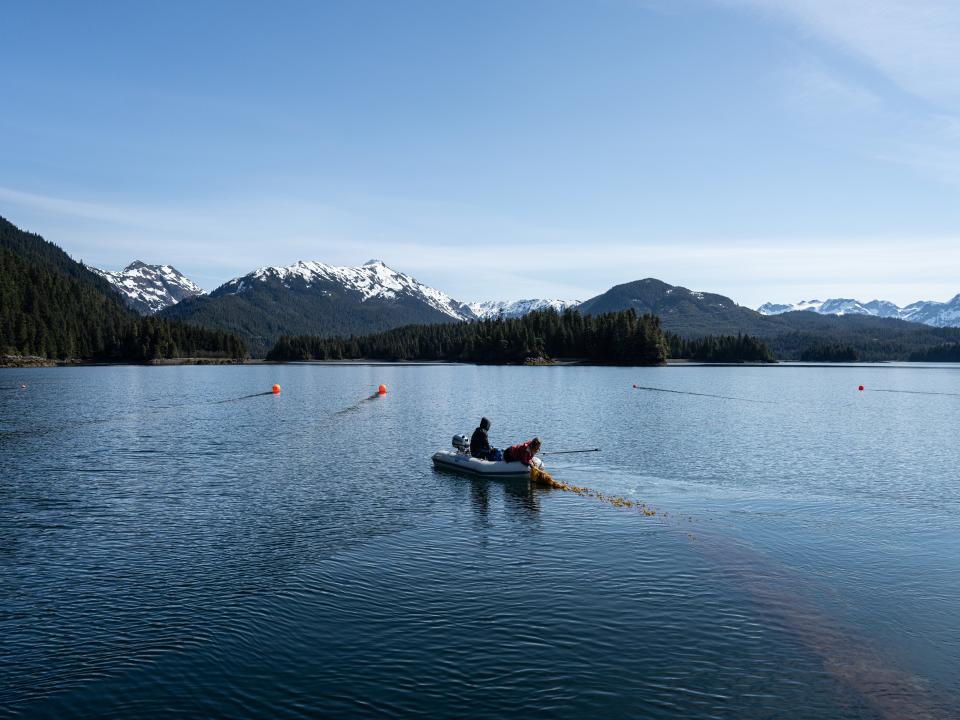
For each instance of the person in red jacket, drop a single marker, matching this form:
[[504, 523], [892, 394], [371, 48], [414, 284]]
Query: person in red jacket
[[522, 453]]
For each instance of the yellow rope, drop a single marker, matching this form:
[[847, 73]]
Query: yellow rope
[[542, 477]]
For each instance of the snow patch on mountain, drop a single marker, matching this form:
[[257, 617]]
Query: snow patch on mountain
[[928, 312], [150, 288], [517, 308]]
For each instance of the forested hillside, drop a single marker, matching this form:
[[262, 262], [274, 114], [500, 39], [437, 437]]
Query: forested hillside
[[790, 336], [620, 338], [870, 339], [685, 312], [53, 307]]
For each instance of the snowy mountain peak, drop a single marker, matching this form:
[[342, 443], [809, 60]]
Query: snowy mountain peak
[[372, 280], [928, 312], [151, 288]]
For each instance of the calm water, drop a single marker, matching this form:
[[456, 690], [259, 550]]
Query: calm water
[[165, 553]]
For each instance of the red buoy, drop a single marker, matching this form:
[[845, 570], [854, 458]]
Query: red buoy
[[276, 389], [860, 388], [382, 390]]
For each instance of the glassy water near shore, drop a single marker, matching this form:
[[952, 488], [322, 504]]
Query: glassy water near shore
[[162, 552]]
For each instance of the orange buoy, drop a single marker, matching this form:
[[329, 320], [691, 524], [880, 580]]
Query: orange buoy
[[382, 390], [276, 389], [860, 388]]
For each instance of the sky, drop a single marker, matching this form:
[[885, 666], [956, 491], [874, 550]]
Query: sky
[[768, 150]]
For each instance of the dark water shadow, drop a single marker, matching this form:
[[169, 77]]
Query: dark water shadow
[[785, 597]]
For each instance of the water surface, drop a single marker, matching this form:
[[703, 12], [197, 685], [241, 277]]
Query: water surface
[[163, 552]]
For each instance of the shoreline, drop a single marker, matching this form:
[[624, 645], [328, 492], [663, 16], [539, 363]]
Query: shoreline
[[32, 362]]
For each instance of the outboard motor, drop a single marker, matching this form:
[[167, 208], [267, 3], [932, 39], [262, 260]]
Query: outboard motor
[[462, 443]]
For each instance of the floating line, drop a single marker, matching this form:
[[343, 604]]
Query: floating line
[[912, 392], [242, 397], [357, 405], [687, 392]]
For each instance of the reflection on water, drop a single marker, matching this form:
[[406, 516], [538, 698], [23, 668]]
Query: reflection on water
[[166, 553]]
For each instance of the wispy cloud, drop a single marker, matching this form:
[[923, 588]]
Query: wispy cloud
[[892, 66], [75, 208], [913, 43], [812, 86]]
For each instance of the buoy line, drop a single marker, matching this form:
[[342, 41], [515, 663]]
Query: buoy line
[[908, 392], [687, 392]]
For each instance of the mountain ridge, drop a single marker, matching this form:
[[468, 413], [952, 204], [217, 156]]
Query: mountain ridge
[[311, 297], [148, 289], [927, 312]]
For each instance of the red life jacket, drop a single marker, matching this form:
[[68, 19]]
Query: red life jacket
[[519, 453]]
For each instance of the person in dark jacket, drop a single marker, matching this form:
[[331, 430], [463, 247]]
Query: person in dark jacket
[[480, 443]]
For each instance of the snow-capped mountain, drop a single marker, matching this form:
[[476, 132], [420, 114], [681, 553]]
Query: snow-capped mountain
[[517, 308], [372, 280], [151, 288], [928, 312], [835, 306], [313, 298]]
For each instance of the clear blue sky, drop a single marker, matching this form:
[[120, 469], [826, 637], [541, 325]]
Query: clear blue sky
[[770, 150]]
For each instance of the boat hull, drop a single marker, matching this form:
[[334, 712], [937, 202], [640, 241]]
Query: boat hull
[[458, 462]]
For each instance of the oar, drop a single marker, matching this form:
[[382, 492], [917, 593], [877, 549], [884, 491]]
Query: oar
[[567, 452]]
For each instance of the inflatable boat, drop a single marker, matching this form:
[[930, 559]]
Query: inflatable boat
[[460, 460]]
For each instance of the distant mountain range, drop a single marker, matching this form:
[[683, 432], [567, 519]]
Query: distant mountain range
[[313, 298], [148, 289], [928, 312], [151, 289], [789, 334], [304, 298], [52, 306], [517, 308]]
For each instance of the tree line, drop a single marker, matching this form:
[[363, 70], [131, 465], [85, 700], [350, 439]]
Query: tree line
[[947, 352], [720, 349], [616, 338], [829, 352]]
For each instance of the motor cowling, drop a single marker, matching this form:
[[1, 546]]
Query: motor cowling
[[461, 443]]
